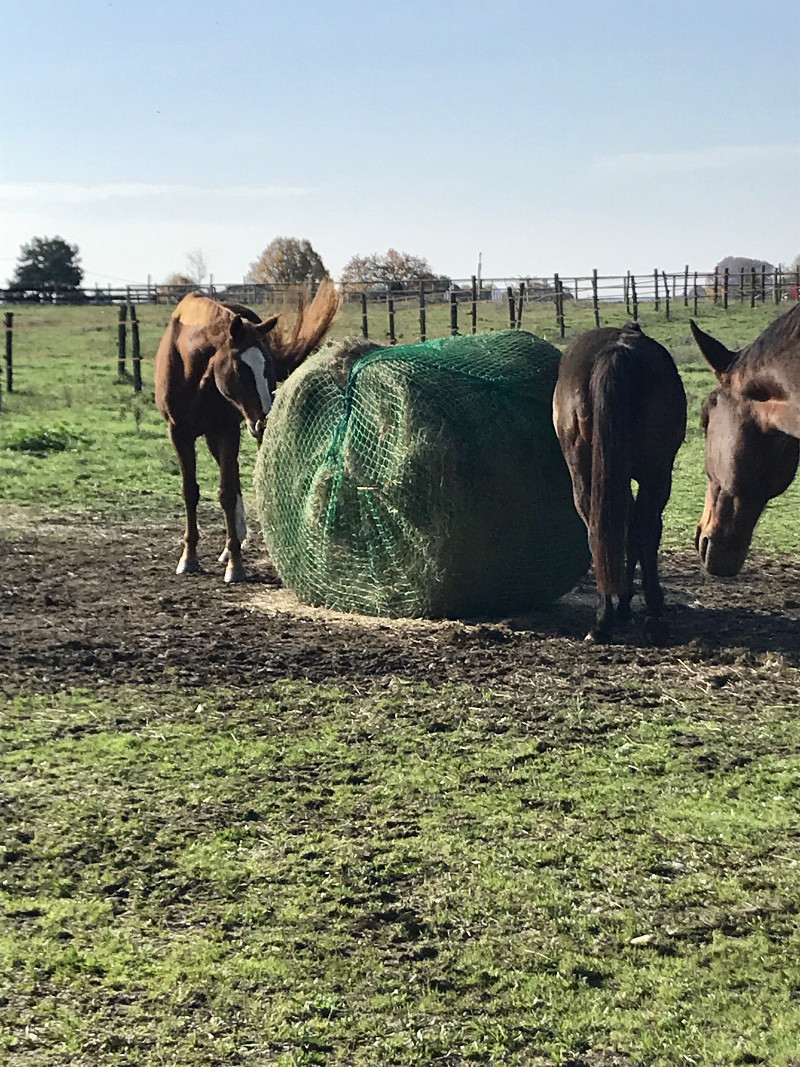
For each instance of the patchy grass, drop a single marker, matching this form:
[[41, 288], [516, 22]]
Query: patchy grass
[[402, 874], [410, 876]]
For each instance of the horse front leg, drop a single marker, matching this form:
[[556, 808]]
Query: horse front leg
[[224, 447], [184, 446]]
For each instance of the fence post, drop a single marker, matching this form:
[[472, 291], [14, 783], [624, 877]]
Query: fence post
[[521, 300], [136, 354], [655, 284], [9, 321], [364, 323], [763, 283], [595, 305], [474, 304], [422, 315], [716, 287], [512, 311], [695, 294], [634, 298], [390, 305], [725, 287], [686, 286], [627, 287], [741, 285], [121, 331], [453, 315], [752, 287], [666, 295], [559, 303]]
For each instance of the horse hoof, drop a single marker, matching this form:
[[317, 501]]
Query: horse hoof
[[189, 566], [235, 573], [598, 637], [656, 631]]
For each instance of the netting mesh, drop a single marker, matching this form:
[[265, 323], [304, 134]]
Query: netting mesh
[[421, 480]]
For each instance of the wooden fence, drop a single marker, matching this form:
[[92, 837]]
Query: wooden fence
[[659, 287], [661, 290]]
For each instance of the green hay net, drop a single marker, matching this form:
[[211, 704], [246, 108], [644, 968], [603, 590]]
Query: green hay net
[[421, 480]]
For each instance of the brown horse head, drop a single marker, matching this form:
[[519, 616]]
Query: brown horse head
[[244, 371], [751, 455]]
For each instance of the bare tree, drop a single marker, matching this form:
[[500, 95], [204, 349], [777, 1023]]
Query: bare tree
[[197, 267]]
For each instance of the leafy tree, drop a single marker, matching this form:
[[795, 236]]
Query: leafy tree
[[393, 269], [288, 261], [49, 264]]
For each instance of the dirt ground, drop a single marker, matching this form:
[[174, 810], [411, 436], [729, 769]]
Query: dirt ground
[[86, 605]]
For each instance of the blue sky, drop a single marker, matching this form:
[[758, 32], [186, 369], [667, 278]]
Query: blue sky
[[553, 136]]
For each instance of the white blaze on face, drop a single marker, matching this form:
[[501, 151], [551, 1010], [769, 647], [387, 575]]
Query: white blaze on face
[[241, 525], [254, 358]]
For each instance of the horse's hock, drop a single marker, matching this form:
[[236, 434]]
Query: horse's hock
[[421, 480]]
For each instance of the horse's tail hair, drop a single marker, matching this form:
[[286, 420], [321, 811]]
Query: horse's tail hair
[[612, 404], [291, 344]]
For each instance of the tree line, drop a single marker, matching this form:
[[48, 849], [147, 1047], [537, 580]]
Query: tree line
[[52, 265]]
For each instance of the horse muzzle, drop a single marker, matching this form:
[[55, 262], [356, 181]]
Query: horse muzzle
[[718, 559], [256, 429]]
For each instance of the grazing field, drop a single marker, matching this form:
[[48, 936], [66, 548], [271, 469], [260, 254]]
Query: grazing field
[[241, 831]]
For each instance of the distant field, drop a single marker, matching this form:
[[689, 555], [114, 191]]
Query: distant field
[[106, 447]]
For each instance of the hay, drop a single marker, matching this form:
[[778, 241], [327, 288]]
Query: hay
[[421, 480]]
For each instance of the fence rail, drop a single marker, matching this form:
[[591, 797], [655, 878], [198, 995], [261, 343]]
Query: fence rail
[[657, 287]]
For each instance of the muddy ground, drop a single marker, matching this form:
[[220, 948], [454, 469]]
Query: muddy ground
[[87, 605]]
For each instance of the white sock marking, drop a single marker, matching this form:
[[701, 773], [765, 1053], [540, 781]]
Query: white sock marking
[[241, 524]]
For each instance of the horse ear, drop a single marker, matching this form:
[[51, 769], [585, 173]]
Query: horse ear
[[237, 329], [714, 351], [268, 324]]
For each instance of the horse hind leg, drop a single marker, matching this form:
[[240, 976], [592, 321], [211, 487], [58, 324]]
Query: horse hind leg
[[650, 505], [623, 613], [240, 522], [225, 450], [602, 630]]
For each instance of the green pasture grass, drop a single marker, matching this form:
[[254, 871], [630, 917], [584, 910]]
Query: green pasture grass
[[409, 876], [98, 446]]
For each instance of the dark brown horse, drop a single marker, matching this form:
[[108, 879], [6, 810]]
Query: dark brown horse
[[619, 410], [218, 364], [752, 425]]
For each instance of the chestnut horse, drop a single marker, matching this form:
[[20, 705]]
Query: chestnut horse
[[752, 425], [218, 364], [619, 410]]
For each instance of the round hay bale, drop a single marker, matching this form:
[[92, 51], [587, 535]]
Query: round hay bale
[[421, 480]]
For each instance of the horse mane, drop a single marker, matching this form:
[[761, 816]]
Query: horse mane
[[198, 310], [291, 344], [782, 333]]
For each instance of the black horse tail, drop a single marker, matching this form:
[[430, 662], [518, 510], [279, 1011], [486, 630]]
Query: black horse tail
[[612, 404]]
